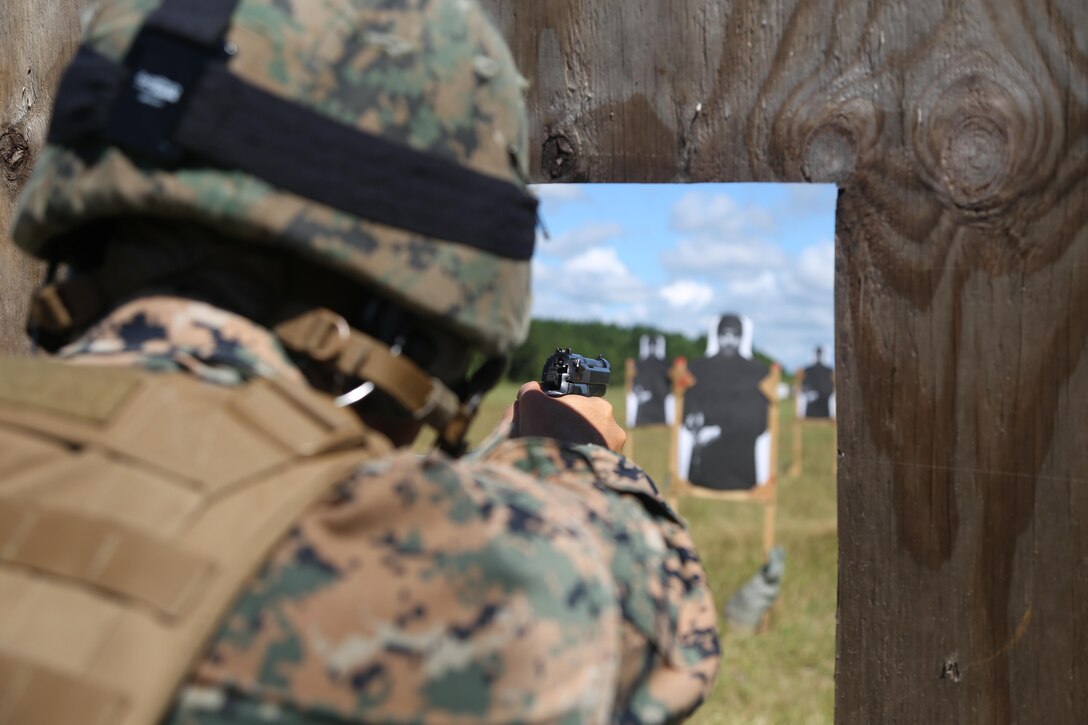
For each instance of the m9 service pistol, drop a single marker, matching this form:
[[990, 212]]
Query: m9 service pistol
[[567, 373]]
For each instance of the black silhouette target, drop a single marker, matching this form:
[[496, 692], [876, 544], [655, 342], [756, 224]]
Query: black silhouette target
[[817, 394], [650, 398], [723, 440]]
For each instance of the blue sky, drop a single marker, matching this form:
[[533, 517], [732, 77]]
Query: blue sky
[[676, 256]]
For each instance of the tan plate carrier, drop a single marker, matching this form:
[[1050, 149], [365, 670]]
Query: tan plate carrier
[[133, 507]]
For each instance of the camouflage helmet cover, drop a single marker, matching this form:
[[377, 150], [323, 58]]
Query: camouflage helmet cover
[[433, 75]]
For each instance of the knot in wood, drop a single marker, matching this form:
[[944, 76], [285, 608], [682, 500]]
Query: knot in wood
[[950, 670], [975, 159], [14, 155], [823, 138], [559, 158], [830, 154], [985, 136]]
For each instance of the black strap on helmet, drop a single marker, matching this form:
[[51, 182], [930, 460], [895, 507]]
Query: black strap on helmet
[[178, 43], [204, 22], [174, 101]]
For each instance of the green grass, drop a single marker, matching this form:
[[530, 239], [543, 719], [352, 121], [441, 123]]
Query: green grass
[[786, 674]]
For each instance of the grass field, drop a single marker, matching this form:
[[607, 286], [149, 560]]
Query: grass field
[[784, 675]]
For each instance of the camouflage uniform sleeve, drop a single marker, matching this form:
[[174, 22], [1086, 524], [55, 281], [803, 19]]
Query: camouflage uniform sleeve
[[426, 590], [670, 641], [536, 583]]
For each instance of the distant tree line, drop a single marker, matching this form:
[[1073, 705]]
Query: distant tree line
[[597, 338]]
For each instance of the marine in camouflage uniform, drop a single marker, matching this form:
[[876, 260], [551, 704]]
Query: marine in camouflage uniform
[[533, 579], [530, 580]]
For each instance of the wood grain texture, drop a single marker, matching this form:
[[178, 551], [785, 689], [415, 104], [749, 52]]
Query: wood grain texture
[[39, 36], [962, 273], [958, 133]]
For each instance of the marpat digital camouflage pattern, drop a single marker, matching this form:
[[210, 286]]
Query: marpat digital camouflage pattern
[[432, 74], [172, 334], [530, 581]]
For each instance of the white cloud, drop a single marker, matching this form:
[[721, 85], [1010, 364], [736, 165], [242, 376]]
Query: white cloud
[[722, 239], [817, 266], [601, 275], [578, 240], [696, 211], [558, 192], [600, 260], [719, 258], [595, 284], [687, 294], [719, 216], [763, 285]]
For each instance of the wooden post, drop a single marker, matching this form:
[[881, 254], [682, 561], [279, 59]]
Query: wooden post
[[798, 443], [769, 511], [795, 461], [769, 386], [37, 37], [681, 379], [630, 371]]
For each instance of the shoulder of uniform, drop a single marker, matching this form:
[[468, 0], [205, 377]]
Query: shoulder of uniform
[[83, 391]]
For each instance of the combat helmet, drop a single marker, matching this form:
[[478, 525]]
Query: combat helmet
[[384, 140]]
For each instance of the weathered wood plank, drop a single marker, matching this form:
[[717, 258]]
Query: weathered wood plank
[[962, 281], [39, 36], [958, 132]]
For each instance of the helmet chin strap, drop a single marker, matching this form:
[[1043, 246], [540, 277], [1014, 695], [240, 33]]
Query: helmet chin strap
[[325, 336], [319, 334]]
